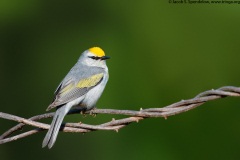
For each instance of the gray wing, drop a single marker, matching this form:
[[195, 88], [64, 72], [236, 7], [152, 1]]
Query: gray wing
[[71, 89]]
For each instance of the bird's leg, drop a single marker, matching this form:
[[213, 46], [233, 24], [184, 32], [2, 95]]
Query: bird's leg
[[91, 112]]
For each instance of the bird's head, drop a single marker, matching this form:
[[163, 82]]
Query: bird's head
[[94, 56]]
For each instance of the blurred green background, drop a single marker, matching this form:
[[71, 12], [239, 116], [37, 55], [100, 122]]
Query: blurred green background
[[160, 53]]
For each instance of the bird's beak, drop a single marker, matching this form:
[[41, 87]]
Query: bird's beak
[[105, 57]]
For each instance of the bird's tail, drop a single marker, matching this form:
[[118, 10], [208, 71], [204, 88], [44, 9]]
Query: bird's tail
[[52, 133]]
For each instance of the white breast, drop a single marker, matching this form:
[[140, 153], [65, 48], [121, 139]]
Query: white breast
[[94, 94]]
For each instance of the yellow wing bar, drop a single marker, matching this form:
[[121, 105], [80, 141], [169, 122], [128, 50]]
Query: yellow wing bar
[[90, 82]]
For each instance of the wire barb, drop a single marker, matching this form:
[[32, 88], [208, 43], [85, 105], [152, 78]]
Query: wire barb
[[114, 124]]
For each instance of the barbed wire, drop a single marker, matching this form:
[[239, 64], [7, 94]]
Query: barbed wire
[[135, 116]]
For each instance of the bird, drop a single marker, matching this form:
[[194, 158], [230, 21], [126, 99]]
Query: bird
[[82, 86]]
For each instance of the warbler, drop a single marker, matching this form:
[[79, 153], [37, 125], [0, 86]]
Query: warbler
[[83, 85]]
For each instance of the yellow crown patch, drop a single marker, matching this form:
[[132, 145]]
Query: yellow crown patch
[[97, 51]]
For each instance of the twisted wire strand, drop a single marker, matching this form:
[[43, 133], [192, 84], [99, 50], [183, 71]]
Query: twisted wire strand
[[135, 116]]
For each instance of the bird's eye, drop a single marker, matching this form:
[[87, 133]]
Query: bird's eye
[[93, 57]]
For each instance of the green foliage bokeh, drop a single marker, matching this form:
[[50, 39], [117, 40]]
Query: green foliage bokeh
[[160, 53]]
